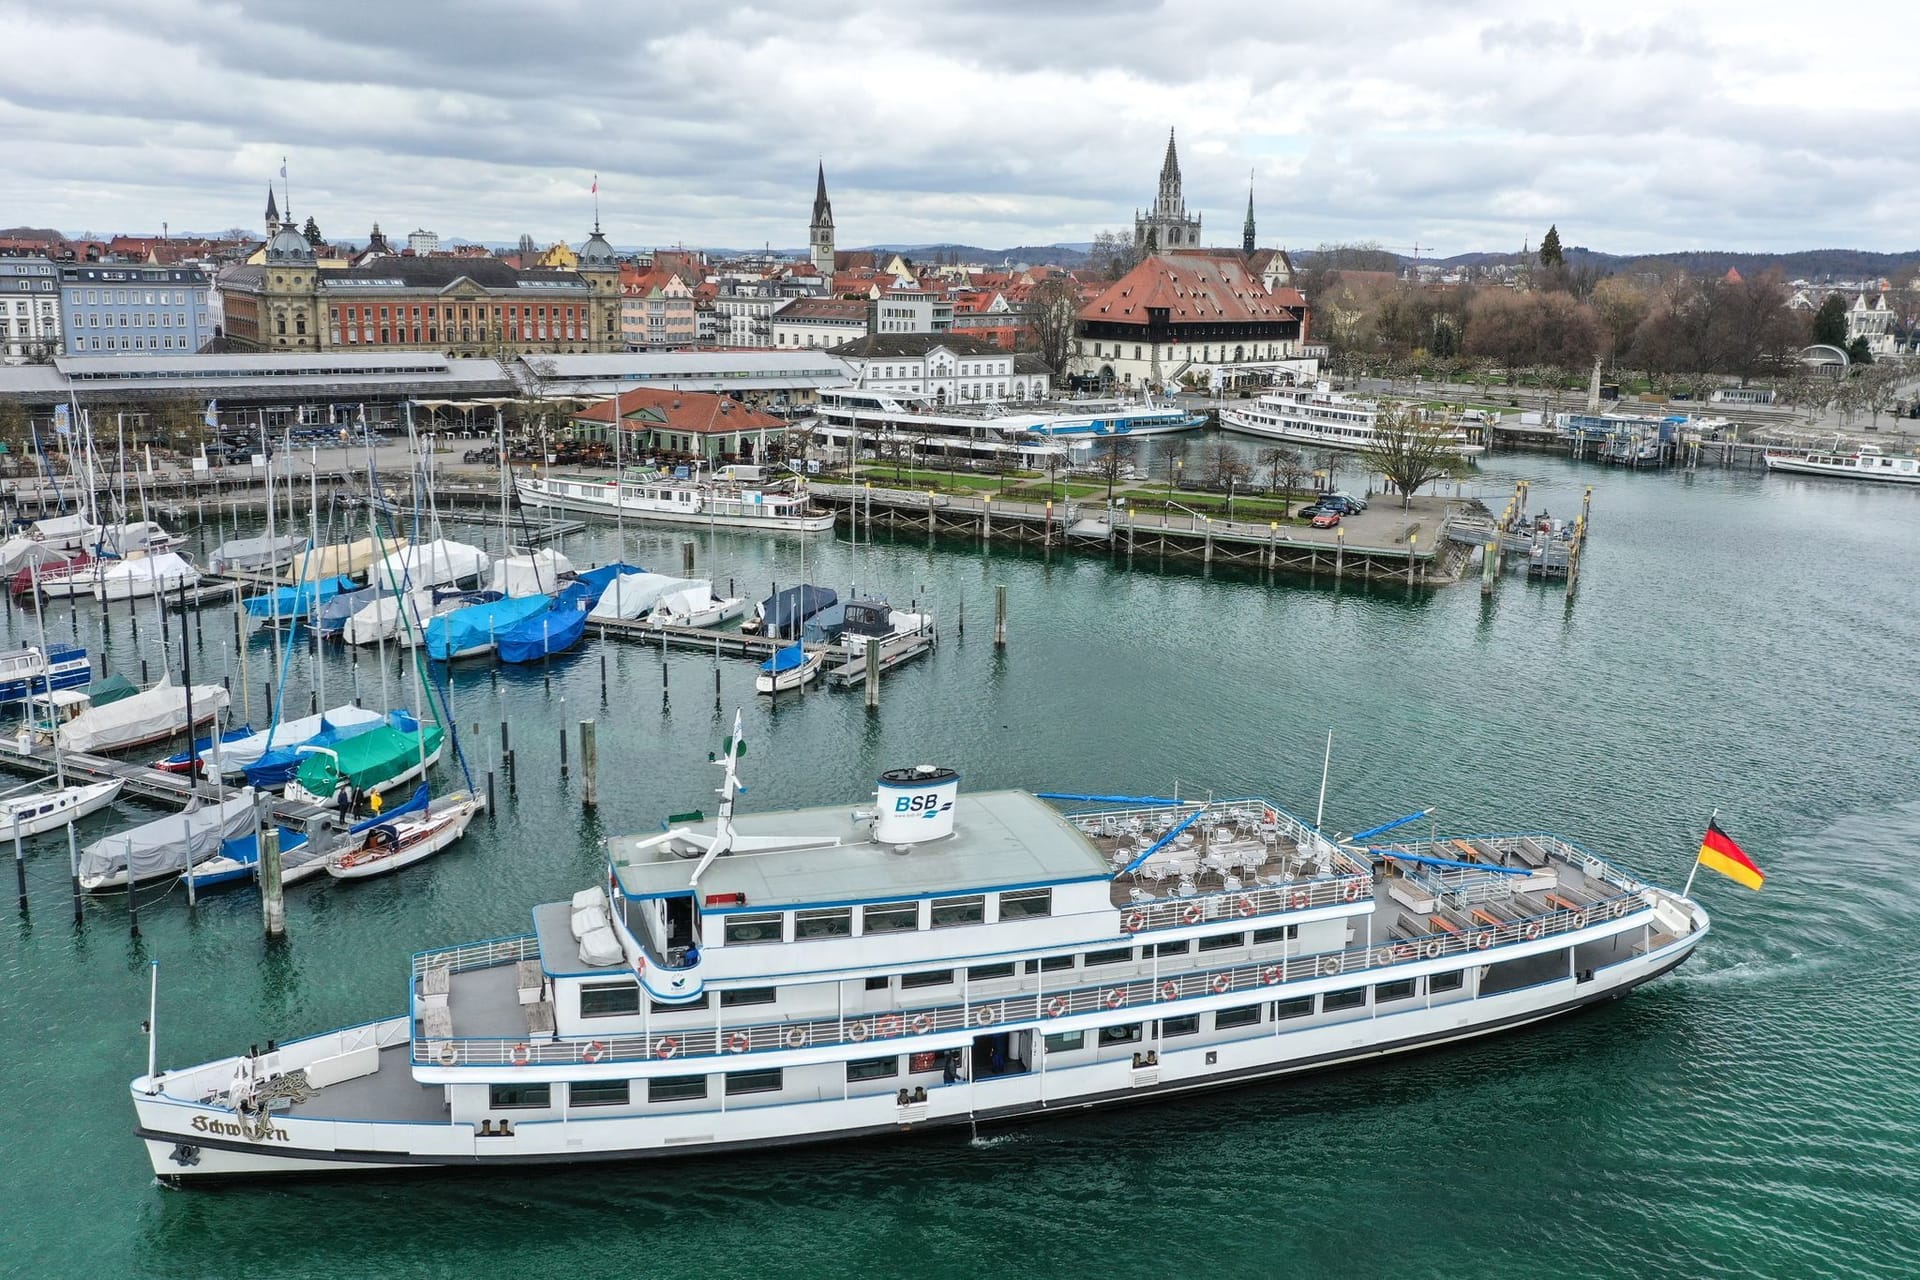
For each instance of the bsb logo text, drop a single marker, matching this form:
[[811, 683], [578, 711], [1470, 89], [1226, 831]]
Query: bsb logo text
[[926, 806]]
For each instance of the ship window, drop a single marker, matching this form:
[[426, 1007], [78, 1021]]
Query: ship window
[[1221, 941], [876, 984], [1186, 1026], [1244, 1016], [676, 1088], [1447, 981], [767, 1081], [599, 1093], [748, 995], [500, 1097], [1050, 964], [1301, 1007], [609, 999], [890, 917], [689, 1006], [1114, 955], [762, 926], [987, 972], [1278, 933], [1024, 904], [926, 978], [948, 912], [1400, 990], [1129, 1034], [873, 1069], [1172, 948], [1352, 998], [1066, 1041], [830, 922]]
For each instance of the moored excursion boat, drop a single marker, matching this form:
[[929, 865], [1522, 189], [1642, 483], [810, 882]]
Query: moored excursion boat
[[929, 961], [25, 672], [1328, 419], [735, 497], [1864, 463]]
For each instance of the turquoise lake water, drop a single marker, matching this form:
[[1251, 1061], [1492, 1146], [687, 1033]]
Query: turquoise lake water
[[1739, 640]]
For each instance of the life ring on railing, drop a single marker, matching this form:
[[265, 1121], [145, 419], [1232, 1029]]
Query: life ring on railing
[[738, 1042], [1270, 975], [1330, 966], [1619, 908], [1244, 906], [1193, 914], [1482, 940], [594, 1051], [448, 1054], [1404, 951], [1116, 997], [858, 1032], [1169, 990], [1056, 1006], [887, 1027], [1383, 956], [1432, 950], [1351, 891], [1300, 899], [519, 1055], [986, 1016], [1580, 919], [1532, 930], [1133, 921], [1222, 983], [666, 1048], [797, 1038], [922, 1023]]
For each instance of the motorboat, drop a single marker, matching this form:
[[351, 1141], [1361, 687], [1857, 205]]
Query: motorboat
[[262, 555], [152, 715], [198, 756], [47, 809], [631, 595], [402, 841], [166, 846], [157, 575], [25, 672], [556, 630], [783, 613], [696, 606], [789, 668]]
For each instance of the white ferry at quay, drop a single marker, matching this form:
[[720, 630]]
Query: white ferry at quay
[[735, 497], [1321, 416], [933, 961]]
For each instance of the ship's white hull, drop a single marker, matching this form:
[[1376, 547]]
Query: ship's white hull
[[1308, 434], [1898, 470], [782, 681], [661, 515], [188, 1140], [712, 616], [44, 811]]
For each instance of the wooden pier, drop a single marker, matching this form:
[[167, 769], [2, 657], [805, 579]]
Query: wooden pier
[[852, 673], [144, 781]]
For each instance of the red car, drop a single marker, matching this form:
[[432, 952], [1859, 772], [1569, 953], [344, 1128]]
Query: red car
[[1325, 520]]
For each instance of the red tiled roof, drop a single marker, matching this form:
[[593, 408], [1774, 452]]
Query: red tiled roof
[[645, 408], [823, 309], [1193, 289]]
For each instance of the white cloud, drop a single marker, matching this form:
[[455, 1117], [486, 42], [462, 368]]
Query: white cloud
[[1452, 125]]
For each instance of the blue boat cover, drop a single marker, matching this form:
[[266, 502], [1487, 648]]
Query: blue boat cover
[[479, 624], [786, 659], [598, 580], [784, 611], [296, 602], [555, 631]]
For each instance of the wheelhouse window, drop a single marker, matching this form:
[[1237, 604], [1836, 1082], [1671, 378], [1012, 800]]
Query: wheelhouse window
[[1222, 941], [827, 922], [748, 995], [609, 999], [988, 972], [970, 909], [1352, 998], [872, 1069], [1066, 1041], [676, 1088], [1026, 904], [1401, 990], [502, 1097], [746, 930], [739, 1082], [599, 1093], [890, 917]]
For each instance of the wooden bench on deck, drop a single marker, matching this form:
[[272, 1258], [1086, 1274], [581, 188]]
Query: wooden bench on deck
[[1561, 901], [1486, 917], [1444, 925]]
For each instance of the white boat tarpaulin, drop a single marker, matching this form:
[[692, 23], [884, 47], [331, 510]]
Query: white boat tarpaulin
[[340, 558], [141, 718], [67, 531], [254, 553], [632, 594], [125, 539], [381, 620], [235, 756], [19, 553], [172, 843], [534, 575], [431, 564], [137, 577], [687, 599]]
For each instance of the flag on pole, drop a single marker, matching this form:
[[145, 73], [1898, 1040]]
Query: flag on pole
[[283, 166], [1719, 852], [596, 184]]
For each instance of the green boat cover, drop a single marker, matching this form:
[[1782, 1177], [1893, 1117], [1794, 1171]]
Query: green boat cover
[[369, 759], [111, 689]]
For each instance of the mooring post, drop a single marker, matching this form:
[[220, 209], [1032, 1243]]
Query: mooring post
[[1273, 535], [73, 869], [1339, 552], [1046, 527], [1412, 538], [963, 616], [273, 900], [603, 664], [1000, 616], [1487, 554], [589, 765], [986, 517], [686, 559], [873, 675], [563, 745], [19, 860], [1206, 556]]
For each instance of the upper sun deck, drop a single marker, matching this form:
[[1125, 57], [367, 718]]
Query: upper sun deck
[[823, 855]]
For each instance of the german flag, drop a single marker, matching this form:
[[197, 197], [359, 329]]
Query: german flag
[[1719, 852]]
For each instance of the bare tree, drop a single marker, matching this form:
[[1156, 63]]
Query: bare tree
[[1285, 469], [1409, 452], [1113, 254], [1114, 456], [1223, 463], [1053, 314]]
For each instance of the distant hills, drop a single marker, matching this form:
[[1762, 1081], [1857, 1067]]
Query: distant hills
[[1802, 264]]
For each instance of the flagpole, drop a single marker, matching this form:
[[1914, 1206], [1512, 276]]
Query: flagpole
[[1695, 869]]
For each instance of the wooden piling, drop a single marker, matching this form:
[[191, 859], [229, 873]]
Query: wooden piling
[[73, 869], [1000, 616], [873, 675], [19, 861], [1339, 552], [273, 900], [686, 559], [589, 765]]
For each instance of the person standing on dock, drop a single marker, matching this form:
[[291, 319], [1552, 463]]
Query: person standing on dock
[[375, 803], [343, 799]]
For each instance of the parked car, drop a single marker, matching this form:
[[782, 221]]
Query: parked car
[[1335, 503], [1326, 519], [1357, 503]]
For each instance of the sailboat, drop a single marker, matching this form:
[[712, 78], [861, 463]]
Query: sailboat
[[150, 716], [240, 754], [397, 842], [255, 555], [378, 760], [166, 846], [43, 810], [239, 857], [789, 668], [554, 630]]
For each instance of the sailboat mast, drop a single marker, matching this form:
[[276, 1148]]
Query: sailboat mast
[[380, 567], [313, 601], [40, 615]]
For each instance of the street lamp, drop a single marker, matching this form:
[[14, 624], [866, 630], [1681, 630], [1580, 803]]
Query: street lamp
[[1172, 476]]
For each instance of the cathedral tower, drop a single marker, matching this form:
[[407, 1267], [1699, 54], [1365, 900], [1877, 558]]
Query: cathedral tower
[[1166, 226], [820, 229]]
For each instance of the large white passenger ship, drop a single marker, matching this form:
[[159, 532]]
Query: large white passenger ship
[[935, 960], [1325, 418], [1864, 463], [739, 497]]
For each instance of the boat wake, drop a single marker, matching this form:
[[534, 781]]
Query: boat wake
[[979, 1143], [1743, 971]]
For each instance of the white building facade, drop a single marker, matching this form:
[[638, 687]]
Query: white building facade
[[819, 323], [29, 309], [945, 369]]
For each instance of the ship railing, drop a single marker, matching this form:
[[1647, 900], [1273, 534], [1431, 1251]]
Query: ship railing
[[477, 955], [1122, 998], [1248, 903], [1244, 811]]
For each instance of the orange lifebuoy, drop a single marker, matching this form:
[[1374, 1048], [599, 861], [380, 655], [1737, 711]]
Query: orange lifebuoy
[[666, 1048], [1300, 899], [519, 1055], [738, 1042], [594, 1051], [1056, 1006], [1352, 892], [1116, 997], [1483, 939], [1245, 906], [1222, 983], [922, 1023], [887, 1027], [1169, 990], [1133, 922], [1193, 914], [1533, 930], [859, 1032], [1270, 975]]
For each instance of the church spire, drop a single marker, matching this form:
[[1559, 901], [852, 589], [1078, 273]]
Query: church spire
[[820, 227], [273, 212], [1246, 228], [1170, 167], [822, 207]]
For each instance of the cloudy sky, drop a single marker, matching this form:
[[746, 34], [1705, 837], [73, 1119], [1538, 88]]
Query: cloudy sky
[[1445, 124]]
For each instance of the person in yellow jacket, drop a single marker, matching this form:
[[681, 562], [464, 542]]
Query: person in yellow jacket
[[375, 803]]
